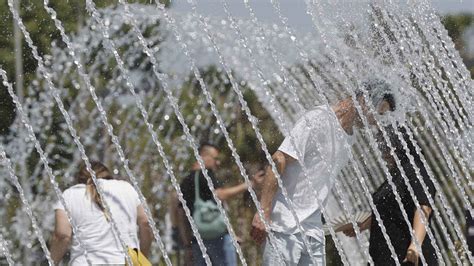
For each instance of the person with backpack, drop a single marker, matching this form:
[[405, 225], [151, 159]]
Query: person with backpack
[[208, 219], [93, 222]]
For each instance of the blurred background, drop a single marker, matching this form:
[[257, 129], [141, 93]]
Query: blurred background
[[16, 59]]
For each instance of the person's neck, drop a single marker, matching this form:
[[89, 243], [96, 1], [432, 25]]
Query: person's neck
[[345, 115], [195, 166]]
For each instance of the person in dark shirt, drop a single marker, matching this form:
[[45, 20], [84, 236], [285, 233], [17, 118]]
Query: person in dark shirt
[[188, 188], [390, 211], [220, 250]]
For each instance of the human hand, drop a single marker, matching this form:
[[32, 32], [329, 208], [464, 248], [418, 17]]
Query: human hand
[[258, 232], [349, 230], [366, 224], [412, 255]]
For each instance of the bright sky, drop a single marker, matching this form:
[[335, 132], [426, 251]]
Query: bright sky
[[454, 6], [295, 10]]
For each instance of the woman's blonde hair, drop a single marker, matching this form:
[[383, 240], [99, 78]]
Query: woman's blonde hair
[[85, 177]]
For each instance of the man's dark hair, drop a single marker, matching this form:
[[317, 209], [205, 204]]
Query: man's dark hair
[[377, 91], [205, 145], [388, 97]]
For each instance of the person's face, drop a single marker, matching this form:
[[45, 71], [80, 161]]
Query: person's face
[[259, 176], [381, 109], [211, 158]]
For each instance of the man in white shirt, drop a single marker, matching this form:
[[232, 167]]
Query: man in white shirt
[[308, 160]]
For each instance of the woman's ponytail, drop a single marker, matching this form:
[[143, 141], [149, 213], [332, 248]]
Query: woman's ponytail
[[85, 177]]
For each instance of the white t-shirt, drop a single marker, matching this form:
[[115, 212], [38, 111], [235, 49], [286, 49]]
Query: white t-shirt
[[93, 228], [324, 149]]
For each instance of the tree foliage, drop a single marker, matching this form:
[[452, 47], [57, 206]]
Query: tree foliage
[[72, 13], [457, 26]]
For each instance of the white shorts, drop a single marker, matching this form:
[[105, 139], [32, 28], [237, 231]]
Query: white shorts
[[292, 250]]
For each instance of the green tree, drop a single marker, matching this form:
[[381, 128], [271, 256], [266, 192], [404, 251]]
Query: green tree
[[72, 13], [456, 26]]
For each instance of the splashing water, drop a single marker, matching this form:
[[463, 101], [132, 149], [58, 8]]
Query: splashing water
[[165, 96]]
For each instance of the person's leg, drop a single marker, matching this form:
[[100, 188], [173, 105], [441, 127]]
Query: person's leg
[[285, 247], [230, 252], [198, 260], [318, 252], [215, 250]]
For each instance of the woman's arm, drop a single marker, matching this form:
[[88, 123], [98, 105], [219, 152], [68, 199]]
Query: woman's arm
[[145, 234], [62, 236], [419, 233]]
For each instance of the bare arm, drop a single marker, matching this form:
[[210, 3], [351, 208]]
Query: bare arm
[[418, 226], [62, 236], [256, 181], [419, 233], [145, 234], [184, 228], [269, 188], [173, 208], [186, 235], [227, 193], [270, 184]]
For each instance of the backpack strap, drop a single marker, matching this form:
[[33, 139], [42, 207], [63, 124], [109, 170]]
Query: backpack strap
[[197, 197]]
